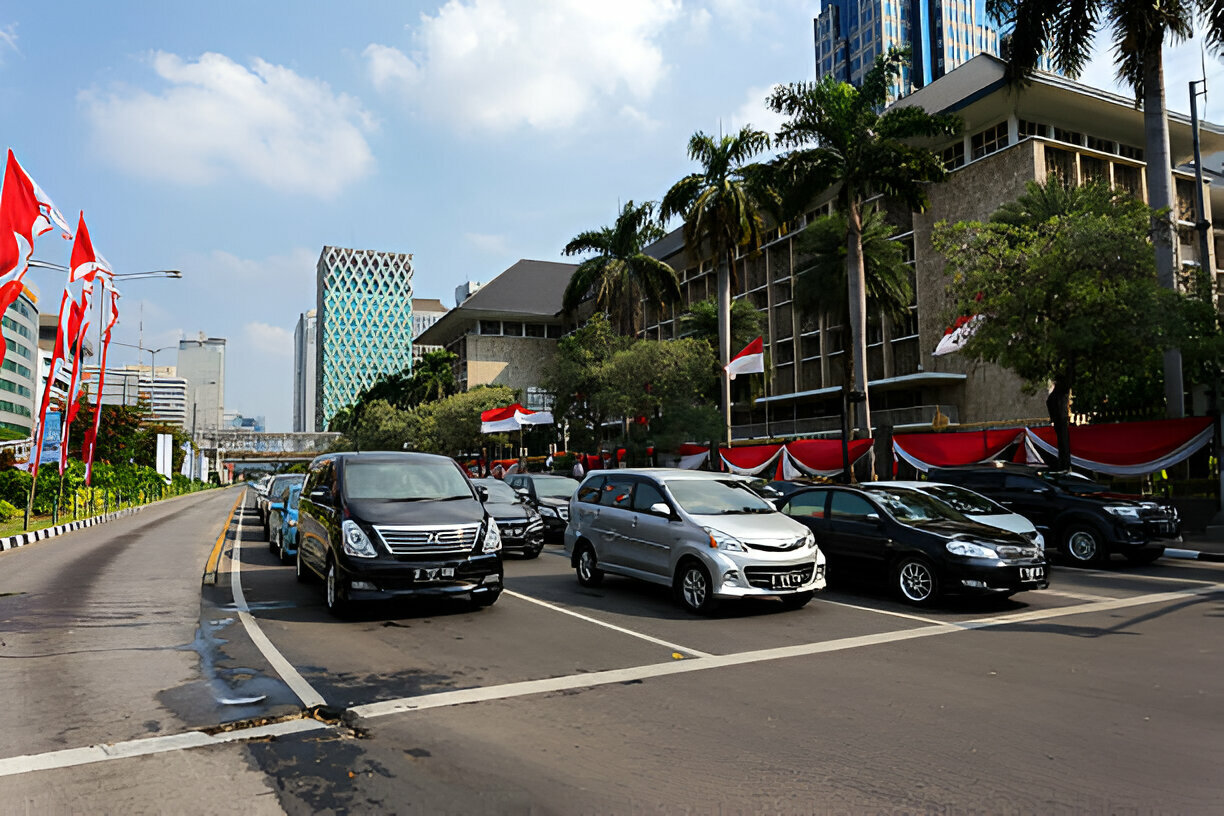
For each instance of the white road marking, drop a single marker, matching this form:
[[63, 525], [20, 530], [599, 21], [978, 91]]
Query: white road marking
[[1096, 606], [672, 646], [1141, 577], [1078, 596], [905, 615], [151, 745], [283, 667]]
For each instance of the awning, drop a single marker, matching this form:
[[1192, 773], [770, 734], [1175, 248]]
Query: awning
[[820, 457], [1129, 448], [925, 451]]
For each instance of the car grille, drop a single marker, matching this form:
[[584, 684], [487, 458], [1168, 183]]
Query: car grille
[[760, 576], [514, 528], [777, 545], [428, 540], [1011, 553]]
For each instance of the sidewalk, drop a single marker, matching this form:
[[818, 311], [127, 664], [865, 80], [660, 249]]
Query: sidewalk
[[1200, 546]]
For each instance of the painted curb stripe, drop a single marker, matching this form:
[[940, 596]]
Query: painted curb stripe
[[24, 539], [214, 557], [1193, 555]]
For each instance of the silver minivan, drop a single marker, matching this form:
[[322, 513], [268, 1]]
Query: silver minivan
[[707, 535]]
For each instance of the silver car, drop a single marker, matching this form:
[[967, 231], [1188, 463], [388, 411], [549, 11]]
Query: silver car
[[706, 535]]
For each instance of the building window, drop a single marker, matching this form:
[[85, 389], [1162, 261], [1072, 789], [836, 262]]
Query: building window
[[490, 327], [1102, 145], [954, 156], [1027, 128], [990, 140], [9, 365], [1060, 163], [1129, 152], [1068, 136], [554, 331], [512, 328], [10, 323], [13, 408], [538, 399], [15, 388], [535, 330]]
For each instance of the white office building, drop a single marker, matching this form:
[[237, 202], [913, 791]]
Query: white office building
[[202, 363], [305, 372]]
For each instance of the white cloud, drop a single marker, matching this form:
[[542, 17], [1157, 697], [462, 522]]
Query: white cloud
[[498, 65], [755, 112], [216, 118], [489, 244], [8, 39], [272, 340]]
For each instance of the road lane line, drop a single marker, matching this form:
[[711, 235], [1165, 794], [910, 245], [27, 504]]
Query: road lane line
[[72, 757], [905, 615], [637, 673], [672, 646], [1142, 577], [1078, 596], [214, 558], [283, 667]]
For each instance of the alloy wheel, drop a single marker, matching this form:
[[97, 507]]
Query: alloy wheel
[[695, 588], [916, 581], [1082, 545]]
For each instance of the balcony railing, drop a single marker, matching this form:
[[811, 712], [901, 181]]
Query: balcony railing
[[831, 425]]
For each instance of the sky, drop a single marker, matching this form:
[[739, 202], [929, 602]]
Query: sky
[[233, 140]]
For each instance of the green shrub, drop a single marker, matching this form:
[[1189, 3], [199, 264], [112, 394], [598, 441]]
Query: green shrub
[[7, 511]]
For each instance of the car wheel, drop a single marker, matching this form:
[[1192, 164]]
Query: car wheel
[[302, 572], [589, 574], [694, 588], [333, 592], [915, 580], [533, 552], [797, 600], [1084, 546], [485, 598], [1141, 557], [271, 541], [280, 549]]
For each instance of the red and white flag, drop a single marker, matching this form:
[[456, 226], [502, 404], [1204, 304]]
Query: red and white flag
[[86, 265], [91, 434], [957, 335], [512, 418], [749, 361], [25, 213]]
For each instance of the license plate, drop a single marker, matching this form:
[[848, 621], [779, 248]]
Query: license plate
[[1032, 573], [433, 573], [788, 580]]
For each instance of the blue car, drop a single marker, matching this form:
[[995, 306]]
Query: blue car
[[284, 535]]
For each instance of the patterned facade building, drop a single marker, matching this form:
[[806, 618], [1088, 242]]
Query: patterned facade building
[[364, 326]]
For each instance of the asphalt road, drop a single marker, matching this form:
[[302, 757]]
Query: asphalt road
[[1100, 695]]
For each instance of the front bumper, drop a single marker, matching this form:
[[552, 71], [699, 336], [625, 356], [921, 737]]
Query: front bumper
[[748, 575], [523, 544], [382, 578], [984, 576]]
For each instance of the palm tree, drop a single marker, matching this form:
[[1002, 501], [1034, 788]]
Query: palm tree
[[433, 377], [821, 288], [1064, 29], [721, 207], [862, 150], [701, 322], [621, 274]]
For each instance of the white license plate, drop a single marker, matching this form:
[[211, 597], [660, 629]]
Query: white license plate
[[433, 573], [788, 580], [1032, 573]]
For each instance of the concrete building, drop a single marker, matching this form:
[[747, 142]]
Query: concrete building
[[465, 290], [1011, 136], [19, 377], [256, 424], [164, 394], [425, 313], [941, 35], [364, 327], [202, 363], [305, 372], [506, 333]]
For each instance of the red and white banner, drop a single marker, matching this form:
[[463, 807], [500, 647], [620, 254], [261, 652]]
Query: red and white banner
[[925, 451], [511, 418], [957, 335], [749, 361], [91, 434], [85, 267], [795, 459]]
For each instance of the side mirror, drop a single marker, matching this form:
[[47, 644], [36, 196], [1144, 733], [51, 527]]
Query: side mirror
[[523, 493], [482, 493], [873, 518], [660, 509], [321, 495], [277, 506]]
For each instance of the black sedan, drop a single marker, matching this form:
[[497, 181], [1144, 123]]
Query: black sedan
[[550, 495], [521, 528], [923, 546]]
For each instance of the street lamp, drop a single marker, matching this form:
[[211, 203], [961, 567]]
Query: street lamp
[[154, 273]]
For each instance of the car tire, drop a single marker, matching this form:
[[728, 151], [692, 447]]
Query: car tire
[[333, 592], [280, 549], [301, 571], [586, 566], [916, 581], [271, 541], [533, 552], [1144, 557], [797, 600], [482, 599], [694, 589], [1084, 546]]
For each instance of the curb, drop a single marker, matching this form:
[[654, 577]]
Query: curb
[[1193, 555], [13, 542]]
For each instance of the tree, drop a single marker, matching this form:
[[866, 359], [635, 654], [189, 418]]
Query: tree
[[1066, 301], [433, 377], [1065, 32], [577, 377], [621, 274], [701, 322], [454, 422], [722, 210], [861, 149], [822, 287]]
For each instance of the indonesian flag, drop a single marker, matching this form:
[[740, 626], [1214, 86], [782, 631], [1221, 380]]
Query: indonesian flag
[[749, 361], [25, 213], [91, 434], [511, 418], [957, 335], [63, 341], [86, 265]]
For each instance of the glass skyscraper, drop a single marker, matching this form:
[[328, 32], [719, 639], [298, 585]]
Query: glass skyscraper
[[941, 34], [364, 323]]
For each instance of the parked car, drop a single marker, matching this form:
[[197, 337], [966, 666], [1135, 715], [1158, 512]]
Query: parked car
[[921, 544], [283, 539], [975, 507], [392, 524], [550, 496], [278, 502], [276, 484], [521, 528], [706, 535], [1084, 520]]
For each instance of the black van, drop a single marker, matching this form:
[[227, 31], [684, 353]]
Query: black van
[[388, 524]]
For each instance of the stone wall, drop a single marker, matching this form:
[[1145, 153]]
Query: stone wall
[[519, 362]]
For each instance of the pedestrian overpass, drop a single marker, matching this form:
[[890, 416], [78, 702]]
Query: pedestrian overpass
[[242, 447]]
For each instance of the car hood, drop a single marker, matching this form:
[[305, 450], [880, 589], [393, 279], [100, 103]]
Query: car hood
[[508, 510], [549, 501], [971, 530], [1005, 521], [750, 527], [457, 511]]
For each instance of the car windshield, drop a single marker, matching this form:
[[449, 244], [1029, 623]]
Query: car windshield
[[965, 501], [716, 497], [280, 487], [499, 491], [418, 480], [559, 488], [913, 507]]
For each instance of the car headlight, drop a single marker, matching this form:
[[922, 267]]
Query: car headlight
[[1123, 511], [492, 538], [721, 541], [356, 542], [809, 539], [970, 550], [548, 511]]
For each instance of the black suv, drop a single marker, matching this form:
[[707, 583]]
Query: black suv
[[1085, 521], [549, 495], [387, 524]]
